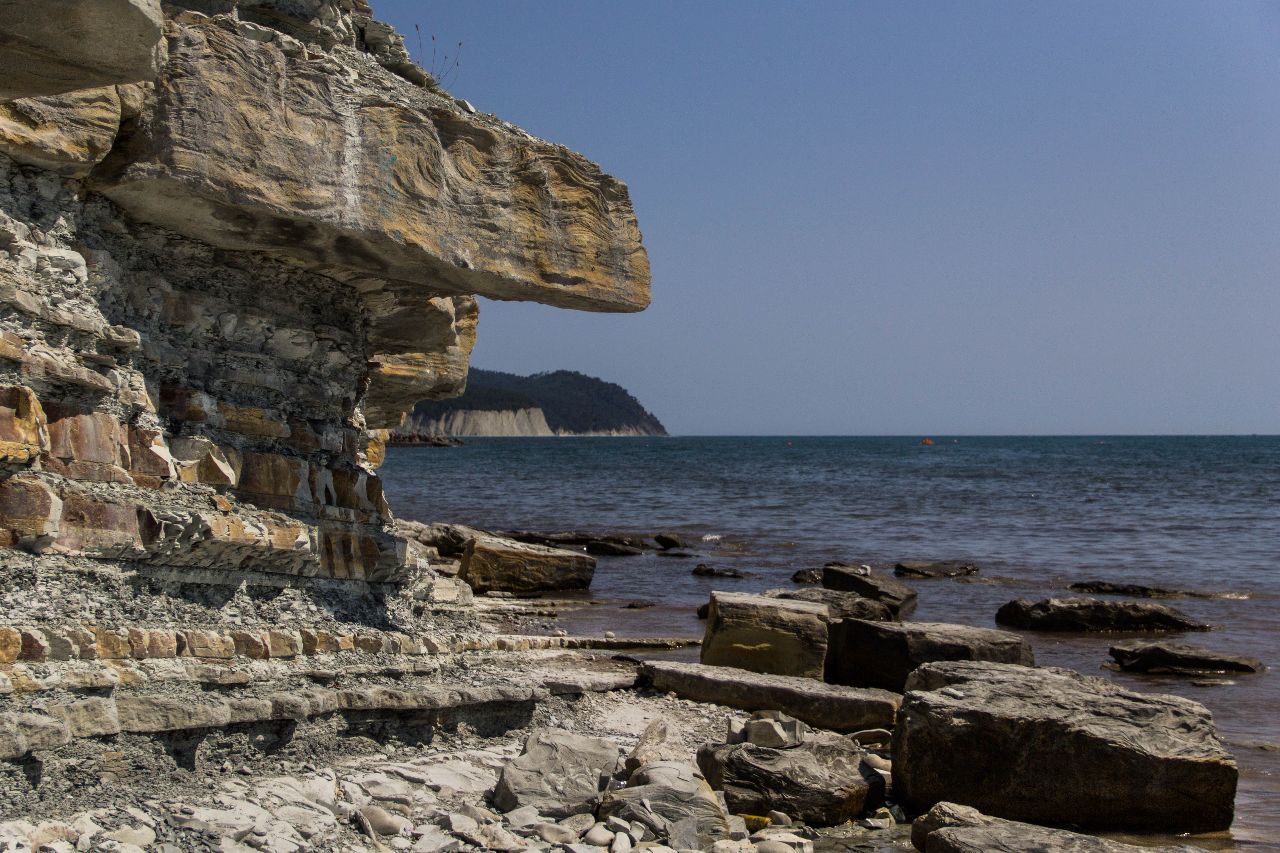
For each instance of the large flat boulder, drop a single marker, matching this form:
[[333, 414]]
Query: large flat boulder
[[929, 569], [952, 828], [897, 596], [883, 654], [353, 172], [1094, 615], [840, 605], [492, 563], [559, 773], [822, 781], [826, 706], [1056, 747], [57, 46], [1179, 659], [765, 634]]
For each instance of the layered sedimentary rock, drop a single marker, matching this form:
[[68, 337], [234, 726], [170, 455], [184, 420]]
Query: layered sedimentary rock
[[232, 248], [1055, 747]]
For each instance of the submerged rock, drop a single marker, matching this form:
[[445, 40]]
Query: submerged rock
[[1178, 659], [702, 570], [1092, 614], [879, 654], [952, 828], [1052, 746], [934, 569], [897, 596], [827, 706], [822, 781], [1134, 590], [767, 635], [807, 576]]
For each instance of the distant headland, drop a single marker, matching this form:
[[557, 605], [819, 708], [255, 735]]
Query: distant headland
[[562, 402]]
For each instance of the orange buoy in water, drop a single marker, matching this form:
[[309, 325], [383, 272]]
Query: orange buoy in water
[[927, 442]]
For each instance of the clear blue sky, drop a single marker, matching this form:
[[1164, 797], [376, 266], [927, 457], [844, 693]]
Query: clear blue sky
[[910, 217]]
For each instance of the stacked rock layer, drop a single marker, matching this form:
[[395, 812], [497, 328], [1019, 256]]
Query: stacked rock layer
[[237, 241]]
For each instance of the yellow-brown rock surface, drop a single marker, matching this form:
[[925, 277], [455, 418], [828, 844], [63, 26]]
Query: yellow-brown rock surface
[[353, 171]]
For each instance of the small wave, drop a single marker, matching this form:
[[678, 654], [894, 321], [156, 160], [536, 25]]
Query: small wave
[[711, 537]]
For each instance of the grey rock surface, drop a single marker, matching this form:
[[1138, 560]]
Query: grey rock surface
[[986, 734], [1179, 659], [1092, 614], [883, 654], [559, 773], [897, 596], [827, 706], [767, 635]]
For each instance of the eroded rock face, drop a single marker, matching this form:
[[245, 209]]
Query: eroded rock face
[[195, 376], [390, 181], [57, 46], [984, 735]]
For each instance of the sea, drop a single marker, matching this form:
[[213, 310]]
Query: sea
[[1035, 513]]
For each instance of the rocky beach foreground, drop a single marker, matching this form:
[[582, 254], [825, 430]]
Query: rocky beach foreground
[[239, 239]]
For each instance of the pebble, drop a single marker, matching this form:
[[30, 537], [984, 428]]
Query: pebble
[[384, 822], [599, 836]]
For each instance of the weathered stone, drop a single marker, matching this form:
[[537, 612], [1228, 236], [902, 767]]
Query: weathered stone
[[558, 773], [1092, 614], [840, 605], [162, 714], [112, 644], [94, 526], [1178, 659], [23, 425], [492, 563], [983, 734], [671, 799], [250, 644], [952, 828], [35, 646], [822, 781], [897, 596], [656, 743], [284, 644], [206, 644], [316, 642], [420, 207], [10, 645], [91, 717], [766, 635], [21, 734], [827, 706], [65, 45], [883, 654], [68, 134], [925, 569], [31, 512]]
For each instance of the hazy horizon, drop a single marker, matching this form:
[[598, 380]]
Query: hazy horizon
[[894, 219]]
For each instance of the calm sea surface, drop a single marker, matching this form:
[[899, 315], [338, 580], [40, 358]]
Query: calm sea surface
[[1035, 513]]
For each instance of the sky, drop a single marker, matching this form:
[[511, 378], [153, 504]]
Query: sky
[[909, 218]]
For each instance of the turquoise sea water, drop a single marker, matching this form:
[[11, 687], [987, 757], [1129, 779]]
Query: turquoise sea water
[[1036, 513]]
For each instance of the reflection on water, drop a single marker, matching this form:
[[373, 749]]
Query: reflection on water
[[1036, 513]]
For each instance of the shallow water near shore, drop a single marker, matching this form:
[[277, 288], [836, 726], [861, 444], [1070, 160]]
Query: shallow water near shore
[[1036, 513]]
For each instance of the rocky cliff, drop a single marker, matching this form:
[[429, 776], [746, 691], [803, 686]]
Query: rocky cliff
[[223, 271]]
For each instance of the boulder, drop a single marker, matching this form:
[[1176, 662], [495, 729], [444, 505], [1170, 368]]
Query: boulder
[[492, 563], [883, 654], [926, 569], [840, 605], [952, 828], [559, 773], [612, 548], [1053, 746], [1095, 615], [656, 743], [1134, 590], [767, 635], [822, 781], [670, 798], [807, 576], [1178, 659], [897, 596], [702, 570], [826, 706], [667, 541], [58, 46]]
